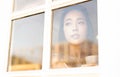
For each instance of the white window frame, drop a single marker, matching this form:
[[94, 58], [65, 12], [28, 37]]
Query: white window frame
[[47, 8]]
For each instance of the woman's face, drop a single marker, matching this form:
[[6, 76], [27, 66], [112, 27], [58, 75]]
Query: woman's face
[[75, 27]]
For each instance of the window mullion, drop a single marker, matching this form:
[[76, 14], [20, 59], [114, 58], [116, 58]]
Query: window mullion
[[47, 37]]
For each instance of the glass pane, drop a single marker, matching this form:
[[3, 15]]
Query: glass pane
[[74, 42], [27, 43], [25, 4]]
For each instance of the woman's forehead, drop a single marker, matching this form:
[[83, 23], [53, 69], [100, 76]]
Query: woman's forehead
[[74, 13]]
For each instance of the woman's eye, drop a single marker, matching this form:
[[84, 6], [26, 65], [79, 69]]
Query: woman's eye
[[81, 22], [68, 24]]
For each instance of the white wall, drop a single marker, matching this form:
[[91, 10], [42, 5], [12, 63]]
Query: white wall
[[109, 38], [5, 15]]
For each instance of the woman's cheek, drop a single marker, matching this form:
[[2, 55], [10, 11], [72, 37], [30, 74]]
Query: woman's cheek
[[67, 33], [83, 29]]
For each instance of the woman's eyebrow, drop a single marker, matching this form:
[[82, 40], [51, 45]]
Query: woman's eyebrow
[[68, 19], [81, 19]]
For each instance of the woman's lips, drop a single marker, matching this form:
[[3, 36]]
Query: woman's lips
[[75, 36]]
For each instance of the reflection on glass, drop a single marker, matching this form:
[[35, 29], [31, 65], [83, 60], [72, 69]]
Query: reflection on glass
[[25, 4], [74, 42], [27, 43]]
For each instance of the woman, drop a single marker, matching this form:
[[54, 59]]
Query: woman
[[78, 32]]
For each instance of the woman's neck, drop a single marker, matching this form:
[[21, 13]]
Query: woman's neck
[[74, 50]]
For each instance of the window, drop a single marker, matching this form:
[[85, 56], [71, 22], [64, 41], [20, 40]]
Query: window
[[74, 42], [27, 43], [37, 40], [27, 4]]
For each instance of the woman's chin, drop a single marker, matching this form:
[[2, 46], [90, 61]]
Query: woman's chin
[[76, 42]]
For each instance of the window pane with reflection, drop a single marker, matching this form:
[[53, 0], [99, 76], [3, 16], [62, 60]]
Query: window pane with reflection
[[26, 4], [74, 37], [27, 43]]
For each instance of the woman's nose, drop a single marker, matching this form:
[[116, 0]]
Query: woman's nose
[[75, 28]]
